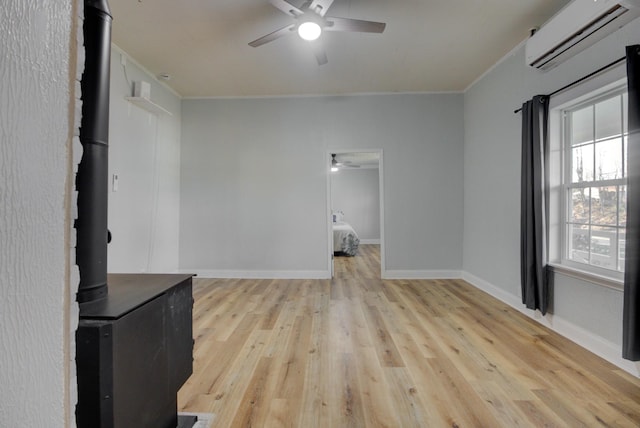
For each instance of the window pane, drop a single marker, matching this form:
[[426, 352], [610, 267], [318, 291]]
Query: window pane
[[625, 123], [578, 243], [579, 206], [608, 118], [582, 126], [609, 159], [622, 220], [604, 205], [621, 251], [625, 106], [595, 178], [624, 156], [603, 247], [582, 163]]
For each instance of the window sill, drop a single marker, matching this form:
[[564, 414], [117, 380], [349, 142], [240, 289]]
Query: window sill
[[593, 278]]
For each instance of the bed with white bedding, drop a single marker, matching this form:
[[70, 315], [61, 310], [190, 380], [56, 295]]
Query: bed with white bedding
[[345, 239]]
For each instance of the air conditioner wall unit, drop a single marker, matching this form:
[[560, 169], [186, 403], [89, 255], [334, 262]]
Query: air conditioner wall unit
[[577, 26]]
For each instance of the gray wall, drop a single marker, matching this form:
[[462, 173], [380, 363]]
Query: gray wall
[[356, 193], [254, 180], [590, 313], [144, 151]]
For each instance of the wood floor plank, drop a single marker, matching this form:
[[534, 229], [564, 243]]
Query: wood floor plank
[[315, 409], [271, 302], [280, 414], [504, 367], [378, 410], [436, 411], [627, 408], [538, 414], [291, 376], [405, 399], [566, 409], [254, 404], [385, 347], [471, 409], [359, 351], [341, 326], [212, 364], [503, 407], [346, 397], [416, 330], [232, 385]]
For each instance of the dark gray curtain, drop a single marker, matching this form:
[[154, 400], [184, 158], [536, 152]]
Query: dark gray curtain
[[533, 268], [631, 312]]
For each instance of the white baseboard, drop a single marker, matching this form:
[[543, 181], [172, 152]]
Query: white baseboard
[[370, 241], [257, 274], [421, 274], [596, 344]]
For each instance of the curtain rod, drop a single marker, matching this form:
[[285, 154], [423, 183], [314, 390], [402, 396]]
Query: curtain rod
[[575, 82]]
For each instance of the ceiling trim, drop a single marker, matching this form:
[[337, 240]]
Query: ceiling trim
[[345, 94]]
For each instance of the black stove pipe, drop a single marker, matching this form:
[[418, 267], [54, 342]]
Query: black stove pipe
[[92, 179]]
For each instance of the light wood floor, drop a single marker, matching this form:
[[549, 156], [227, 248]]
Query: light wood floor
[[361, 352]]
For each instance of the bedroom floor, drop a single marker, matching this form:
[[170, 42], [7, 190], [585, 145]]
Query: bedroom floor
[[365, 264], [357, 351]]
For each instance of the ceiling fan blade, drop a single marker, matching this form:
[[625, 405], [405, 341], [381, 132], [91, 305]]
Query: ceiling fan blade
[[318, 51], [320, 6], [353, 25], [286, 7], [272, 36]]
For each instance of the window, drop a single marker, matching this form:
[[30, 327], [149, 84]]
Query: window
[[594, 191]]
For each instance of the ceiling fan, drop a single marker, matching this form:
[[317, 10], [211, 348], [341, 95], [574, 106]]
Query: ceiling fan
[[336, 164], [310, 22]]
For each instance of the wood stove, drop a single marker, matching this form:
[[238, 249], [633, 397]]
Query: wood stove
[[134, 343], [134, 352]]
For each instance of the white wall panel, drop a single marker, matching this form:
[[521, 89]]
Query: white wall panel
[[144, 152]]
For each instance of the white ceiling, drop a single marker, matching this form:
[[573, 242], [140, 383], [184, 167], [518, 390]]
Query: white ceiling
[[427, 46]]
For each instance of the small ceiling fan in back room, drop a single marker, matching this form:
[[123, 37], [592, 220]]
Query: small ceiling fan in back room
[[337, 164], [311, 21]]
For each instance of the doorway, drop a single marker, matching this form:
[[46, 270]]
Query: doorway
[[355, 201]]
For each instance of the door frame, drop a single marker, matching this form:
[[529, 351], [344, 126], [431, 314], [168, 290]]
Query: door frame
[[328, 158]]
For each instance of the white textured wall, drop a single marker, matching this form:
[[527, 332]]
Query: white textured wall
[[593, 314], [356, 193], [144, 151], [35, 100], [254, 184]]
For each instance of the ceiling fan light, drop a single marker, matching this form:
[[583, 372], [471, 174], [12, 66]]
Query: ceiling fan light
[[309, 30]]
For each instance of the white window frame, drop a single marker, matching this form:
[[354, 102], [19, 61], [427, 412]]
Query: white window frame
[[606, 83]]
